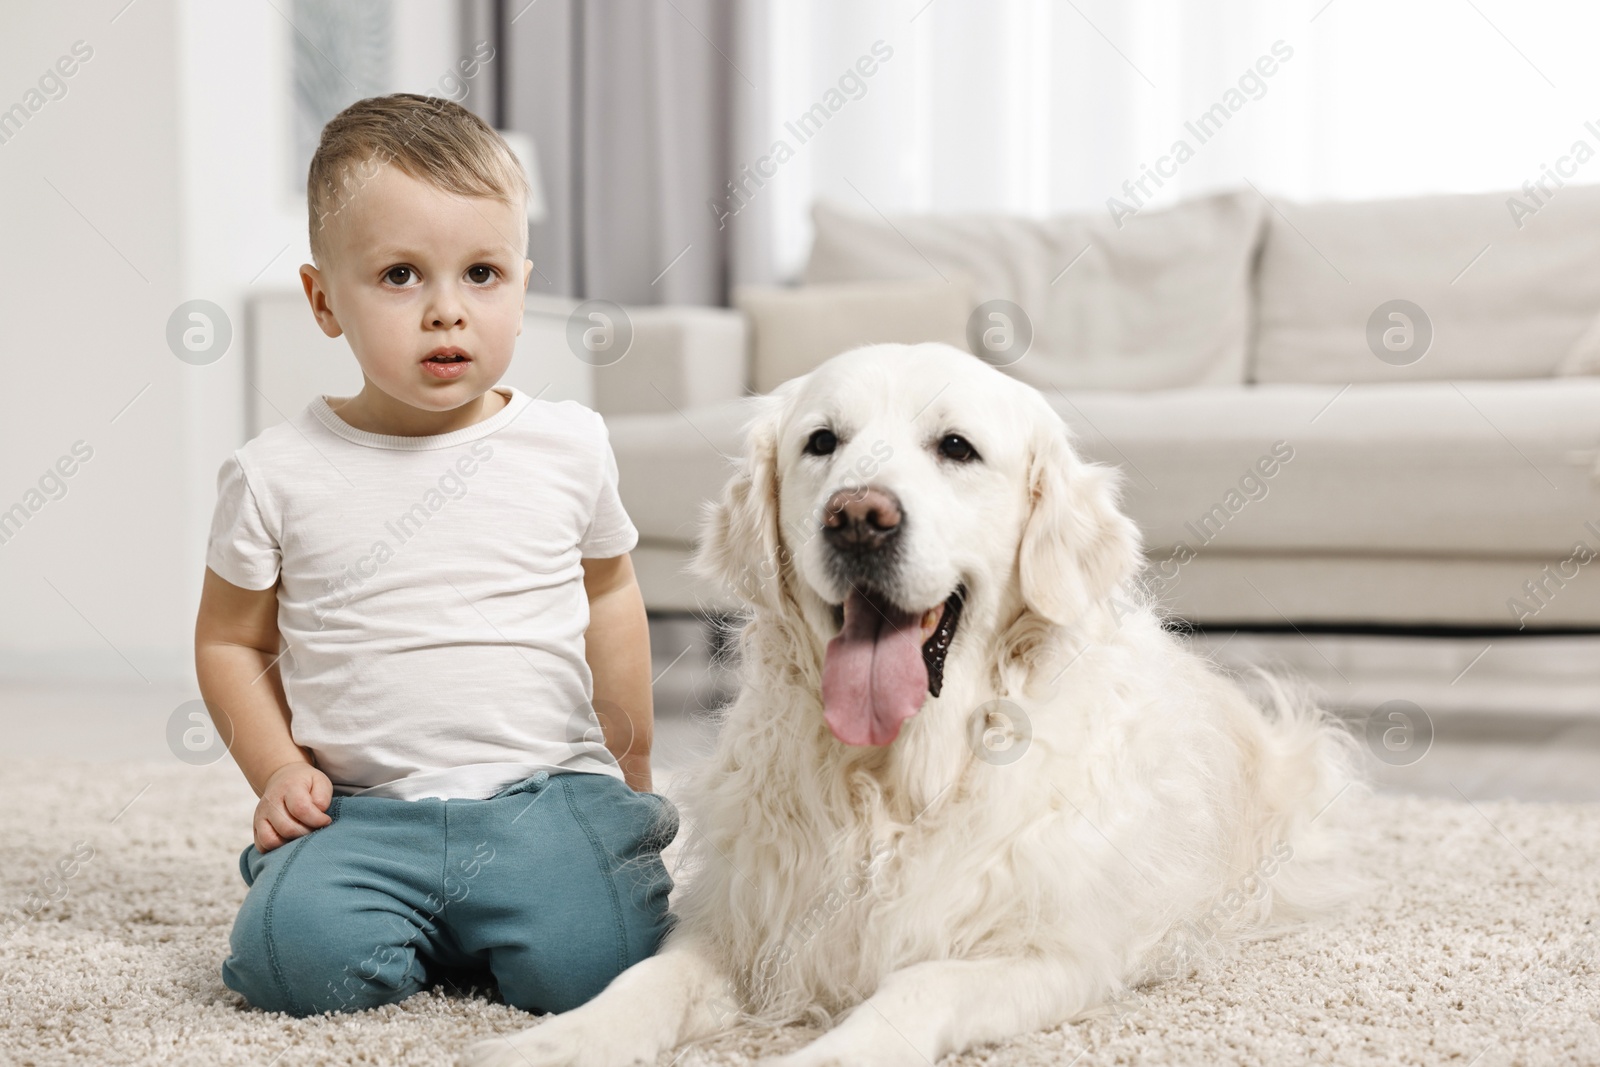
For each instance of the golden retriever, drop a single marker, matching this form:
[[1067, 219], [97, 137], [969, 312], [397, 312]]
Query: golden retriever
[[970, 786]]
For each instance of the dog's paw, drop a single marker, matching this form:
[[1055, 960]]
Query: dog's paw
[[563, 1041]]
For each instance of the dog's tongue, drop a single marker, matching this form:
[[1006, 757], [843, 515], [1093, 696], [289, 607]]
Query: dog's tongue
[[873, 674]]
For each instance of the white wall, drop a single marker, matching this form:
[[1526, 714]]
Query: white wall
[[92, 265], [168, 150]]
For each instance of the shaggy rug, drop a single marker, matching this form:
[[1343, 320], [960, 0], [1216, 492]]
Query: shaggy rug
[[1476, 947]]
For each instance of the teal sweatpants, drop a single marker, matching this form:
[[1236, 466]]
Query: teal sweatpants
[[554, 886]]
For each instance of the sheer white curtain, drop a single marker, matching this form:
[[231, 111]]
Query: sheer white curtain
[[1043, 106]]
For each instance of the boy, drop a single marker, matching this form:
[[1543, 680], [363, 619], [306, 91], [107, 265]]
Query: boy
[[447, 566]]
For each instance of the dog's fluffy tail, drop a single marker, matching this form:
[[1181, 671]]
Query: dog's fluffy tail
[[1308, 783]]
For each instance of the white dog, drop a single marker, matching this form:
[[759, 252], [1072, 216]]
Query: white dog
[[970, 786]]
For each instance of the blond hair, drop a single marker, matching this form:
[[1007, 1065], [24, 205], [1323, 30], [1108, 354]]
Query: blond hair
[[429, 138]]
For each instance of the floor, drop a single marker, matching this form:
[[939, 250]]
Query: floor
[[1473, 949], [1521, 720]]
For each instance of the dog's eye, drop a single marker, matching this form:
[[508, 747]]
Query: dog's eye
[[954, 446], [821, 443]]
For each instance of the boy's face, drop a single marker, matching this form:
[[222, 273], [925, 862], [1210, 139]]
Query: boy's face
[[412, 269]]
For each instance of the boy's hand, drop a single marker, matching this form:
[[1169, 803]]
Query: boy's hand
[[293, 803]]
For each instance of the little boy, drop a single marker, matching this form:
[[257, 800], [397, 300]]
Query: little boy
[[447, 566]]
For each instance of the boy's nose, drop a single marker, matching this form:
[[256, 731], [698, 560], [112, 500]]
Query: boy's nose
[[447, 313]]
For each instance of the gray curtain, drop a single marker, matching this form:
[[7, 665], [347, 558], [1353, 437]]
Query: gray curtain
[[635, 106]]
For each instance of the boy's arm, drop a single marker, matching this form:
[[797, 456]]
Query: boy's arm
[[235, 657], [617, 648]]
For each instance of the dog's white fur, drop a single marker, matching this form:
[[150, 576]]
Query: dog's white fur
[[929, 892]]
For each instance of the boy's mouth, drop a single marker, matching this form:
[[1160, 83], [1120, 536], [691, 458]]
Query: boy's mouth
[[446, 362]]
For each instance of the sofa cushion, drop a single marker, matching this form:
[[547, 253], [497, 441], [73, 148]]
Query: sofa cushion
[[1426, 469], [793, 330], [1161, 301], [1420, 468], [1505, 293]]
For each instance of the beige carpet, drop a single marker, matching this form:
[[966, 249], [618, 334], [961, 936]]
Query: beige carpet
[[1479, 948]]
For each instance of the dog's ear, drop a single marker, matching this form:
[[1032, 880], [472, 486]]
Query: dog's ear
[[740, 543], [1077, 547]]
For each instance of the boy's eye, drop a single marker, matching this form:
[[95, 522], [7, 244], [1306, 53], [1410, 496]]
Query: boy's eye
[[480, 273]]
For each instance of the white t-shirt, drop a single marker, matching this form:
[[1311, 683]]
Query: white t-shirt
[[432, 598]]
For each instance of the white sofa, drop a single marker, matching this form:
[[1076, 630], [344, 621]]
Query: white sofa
[[1198, 348]]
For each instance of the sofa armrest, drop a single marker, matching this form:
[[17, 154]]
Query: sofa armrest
[[681, 356]]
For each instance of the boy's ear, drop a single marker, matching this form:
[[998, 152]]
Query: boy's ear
[[311, 281], [527, 271]]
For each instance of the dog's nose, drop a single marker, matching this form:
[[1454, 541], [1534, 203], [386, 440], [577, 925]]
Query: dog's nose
[[861, 518]]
